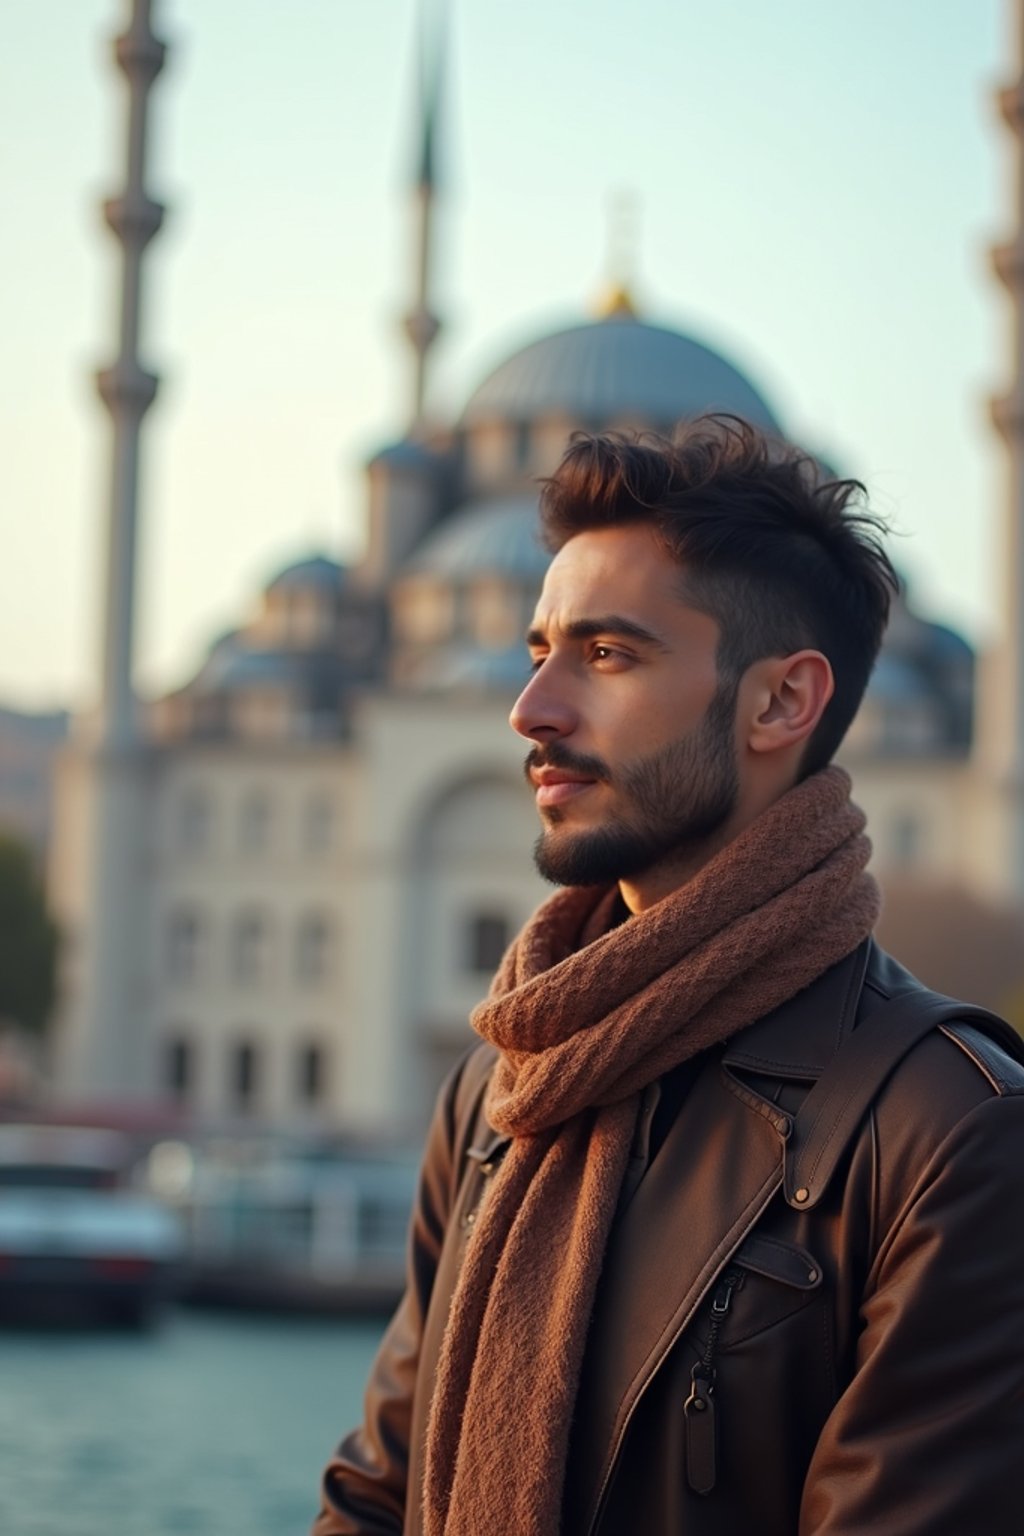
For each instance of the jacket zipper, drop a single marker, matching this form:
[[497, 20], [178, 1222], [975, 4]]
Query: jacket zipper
[[700, 1409], [753, 1217]]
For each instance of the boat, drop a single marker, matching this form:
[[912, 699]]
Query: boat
[[294, 1227], [79, 1238]]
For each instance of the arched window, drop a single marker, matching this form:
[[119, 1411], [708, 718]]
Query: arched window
[[424, 609], [313, 949], [244, 1074], [494, 613], [522, 445], [180, 1067], [487, 936], [184, 945], [261, 712], [254, 822], [310, 1072], [250, 948], [310, 618]]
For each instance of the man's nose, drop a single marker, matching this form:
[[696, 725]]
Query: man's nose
[[542, 711]]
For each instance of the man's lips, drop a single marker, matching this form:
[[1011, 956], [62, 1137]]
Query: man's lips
[[555, 786]]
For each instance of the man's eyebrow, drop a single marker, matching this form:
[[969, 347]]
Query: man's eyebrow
[[604, 624]]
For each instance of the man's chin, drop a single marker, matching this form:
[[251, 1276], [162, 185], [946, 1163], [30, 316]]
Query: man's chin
[[590, 858]]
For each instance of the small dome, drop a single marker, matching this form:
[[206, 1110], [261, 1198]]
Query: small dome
[[227, 643], [896, 680], [500, 537], [948, 645], [407, 453], [317, 571], [613, 368]]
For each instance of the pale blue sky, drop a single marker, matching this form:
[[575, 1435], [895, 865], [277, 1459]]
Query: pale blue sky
[[818, 182]]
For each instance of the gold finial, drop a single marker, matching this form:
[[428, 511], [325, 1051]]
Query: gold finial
[[616, 300]]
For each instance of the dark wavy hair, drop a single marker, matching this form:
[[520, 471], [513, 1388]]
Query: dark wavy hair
[[779, 554]]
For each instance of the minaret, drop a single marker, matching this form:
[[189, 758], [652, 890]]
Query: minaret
[[106, 1053], [1001, 725], [421, 323], [127, 389]]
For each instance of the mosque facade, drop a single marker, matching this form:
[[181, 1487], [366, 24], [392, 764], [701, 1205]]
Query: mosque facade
[[324, 838]]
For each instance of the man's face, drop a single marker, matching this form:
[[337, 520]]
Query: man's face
[[634, 761]]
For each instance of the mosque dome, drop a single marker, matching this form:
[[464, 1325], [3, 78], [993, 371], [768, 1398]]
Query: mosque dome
[[317, 572], [461, 597], [493, 537], [611, 368], [462, 602]]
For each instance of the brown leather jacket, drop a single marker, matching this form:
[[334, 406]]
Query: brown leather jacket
[[868, 1354]]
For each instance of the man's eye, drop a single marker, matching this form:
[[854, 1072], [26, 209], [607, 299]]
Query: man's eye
[[610, 658]]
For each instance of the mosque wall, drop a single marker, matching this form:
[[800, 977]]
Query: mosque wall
[[250, 944], [446, 828], [473, 887], [919, 814]]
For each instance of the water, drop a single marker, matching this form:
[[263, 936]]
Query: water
[[214, 1425]]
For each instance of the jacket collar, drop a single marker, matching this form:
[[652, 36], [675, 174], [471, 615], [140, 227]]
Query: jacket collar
[[800, 1038]]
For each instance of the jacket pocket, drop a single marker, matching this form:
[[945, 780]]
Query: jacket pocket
[[789, 1263], [781, 1277], [739, 1311]]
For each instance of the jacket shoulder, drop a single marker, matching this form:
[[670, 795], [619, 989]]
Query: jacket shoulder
[[950, 1077], [986, 1052], [473, 1074]]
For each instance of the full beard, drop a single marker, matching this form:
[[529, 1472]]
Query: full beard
[[674, 801]]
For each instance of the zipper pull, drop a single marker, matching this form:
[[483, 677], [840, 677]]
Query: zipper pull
[[701, 1430], [699, 1411]]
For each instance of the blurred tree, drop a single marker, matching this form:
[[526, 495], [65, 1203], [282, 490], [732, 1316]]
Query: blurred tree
[[1012, 1008], [28, 941]]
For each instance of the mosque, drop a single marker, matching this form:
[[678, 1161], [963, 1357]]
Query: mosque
[[287, 883]]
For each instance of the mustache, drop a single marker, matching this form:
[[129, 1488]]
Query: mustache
[[555, 755]]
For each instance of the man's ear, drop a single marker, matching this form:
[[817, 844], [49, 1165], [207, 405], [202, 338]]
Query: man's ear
[[789, 698]]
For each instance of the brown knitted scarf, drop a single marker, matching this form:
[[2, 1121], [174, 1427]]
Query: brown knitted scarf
[[581, 1030]]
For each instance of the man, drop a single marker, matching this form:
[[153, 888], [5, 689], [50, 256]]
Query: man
[[624, 1314]]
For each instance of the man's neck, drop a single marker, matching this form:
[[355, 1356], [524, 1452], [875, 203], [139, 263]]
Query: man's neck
[[672, 872], [681, 865]]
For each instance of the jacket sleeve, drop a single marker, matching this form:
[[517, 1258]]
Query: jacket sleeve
[[363, 1492], [927, 1438]]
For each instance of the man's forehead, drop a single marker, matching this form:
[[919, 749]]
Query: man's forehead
[[648, 604], [622, 570]]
